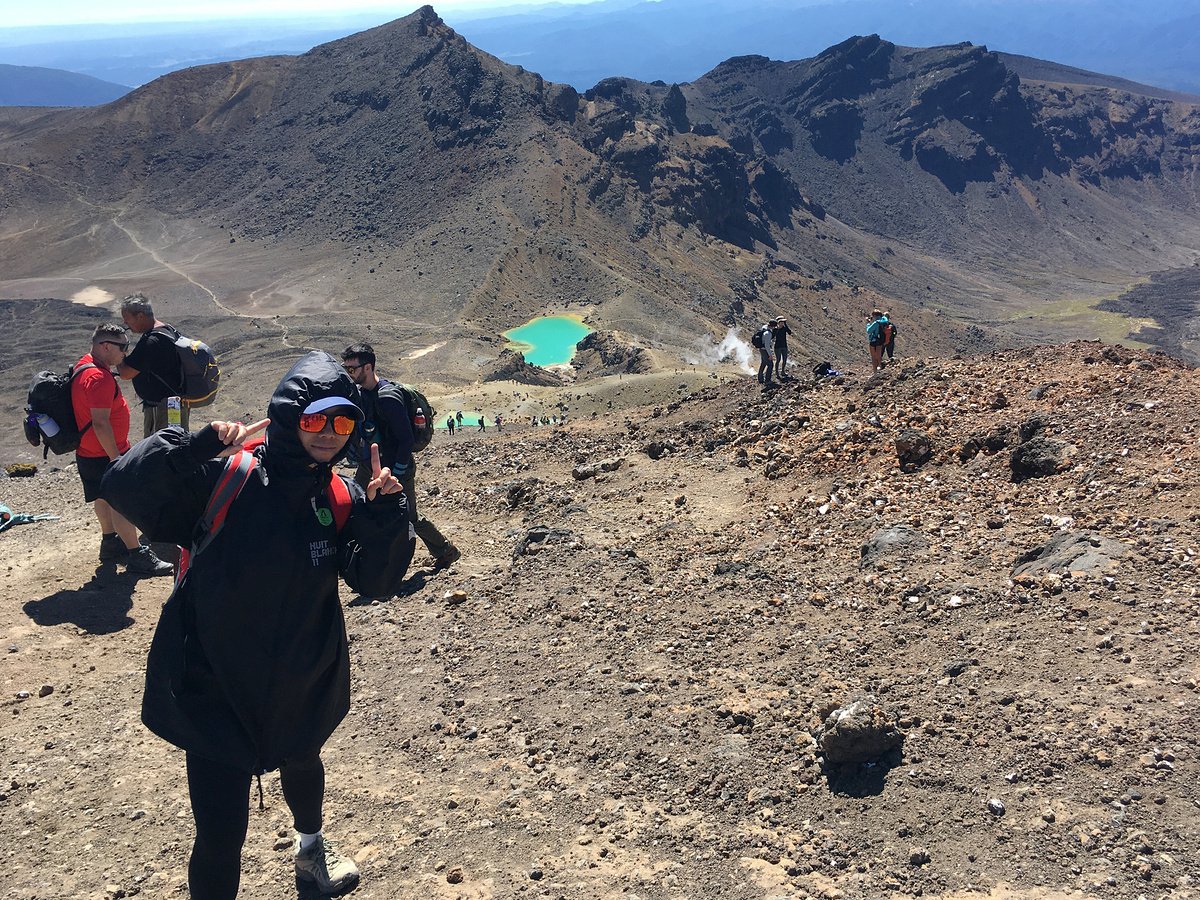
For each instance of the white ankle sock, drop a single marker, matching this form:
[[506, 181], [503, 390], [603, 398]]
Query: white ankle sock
[[307, 840]]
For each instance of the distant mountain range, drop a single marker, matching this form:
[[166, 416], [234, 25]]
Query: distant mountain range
[[668, 40], [404, 177], [36, 86], [680, 40]]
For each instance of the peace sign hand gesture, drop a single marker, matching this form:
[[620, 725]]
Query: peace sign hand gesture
[[382, 481]]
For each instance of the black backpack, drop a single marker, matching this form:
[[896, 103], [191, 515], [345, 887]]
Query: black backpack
[[757, 339], [822, 369], [200, 374], [420, 413], [48, 404]]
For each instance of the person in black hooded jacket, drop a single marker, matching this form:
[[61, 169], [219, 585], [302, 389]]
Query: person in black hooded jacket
[[249, 669]]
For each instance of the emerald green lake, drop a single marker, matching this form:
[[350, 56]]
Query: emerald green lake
[[549, 340]]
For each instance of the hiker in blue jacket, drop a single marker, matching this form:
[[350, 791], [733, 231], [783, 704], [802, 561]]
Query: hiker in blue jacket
[[249, 668]]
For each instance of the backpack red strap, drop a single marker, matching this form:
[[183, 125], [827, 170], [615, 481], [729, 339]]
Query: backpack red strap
[[235, 474], [339, 500]]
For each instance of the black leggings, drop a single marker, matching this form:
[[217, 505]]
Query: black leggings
[[221, 809]]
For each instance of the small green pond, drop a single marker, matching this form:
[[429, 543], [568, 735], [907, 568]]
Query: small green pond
[[549, 340]]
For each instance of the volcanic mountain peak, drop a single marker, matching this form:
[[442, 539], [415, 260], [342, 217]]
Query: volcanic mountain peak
[[403, 171]]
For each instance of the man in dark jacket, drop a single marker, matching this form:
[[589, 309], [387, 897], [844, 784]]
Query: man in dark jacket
[[249, 668], [781, 332], [387, 425]]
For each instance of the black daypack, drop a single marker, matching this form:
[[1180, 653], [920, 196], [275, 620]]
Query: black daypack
[[757, 339], [200, 374], [822, 369], [420, 412], [50, 396]]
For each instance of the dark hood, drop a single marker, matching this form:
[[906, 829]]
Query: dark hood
[[313, 377]]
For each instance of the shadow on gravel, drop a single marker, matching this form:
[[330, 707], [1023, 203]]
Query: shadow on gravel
[[411, 585], [862, 779], [308, 890], [99, 607]]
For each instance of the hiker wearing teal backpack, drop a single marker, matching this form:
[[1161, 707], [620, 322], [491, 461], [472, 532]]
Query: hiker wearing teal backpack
[[249, 667], [877, 338]]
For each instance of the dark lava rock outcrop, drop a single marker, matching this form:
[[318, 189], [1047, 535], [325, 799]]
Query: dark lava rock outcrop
[[600, 353], [511, 366]]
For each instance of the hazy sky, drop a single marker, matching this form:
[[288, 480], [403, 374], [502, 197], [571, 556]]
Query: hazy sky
[[68, 12]]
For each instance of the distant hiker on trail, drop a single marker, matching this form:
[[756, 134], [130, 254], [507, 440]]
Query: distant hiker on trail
[[458, 418], [781, 348], [249, 668], [153, 364], [499, 420], [889, 338], [102, 415], [482, 423], [764, 340], [386, 423], [450, 425], [876, 338]]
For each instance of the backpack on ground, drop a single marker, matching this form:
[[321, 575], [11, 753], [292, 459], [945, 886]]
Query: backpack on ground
[[200, 374], [420, 412], [50, 414], [822, 369], [233, 478], [757, 339]]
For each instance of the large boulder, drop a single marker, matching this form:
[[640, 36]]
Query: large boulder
[[1040, 457], [584, 471], [542, 537], [899, 540], [860, 732], [1079, 551], [913, 448]]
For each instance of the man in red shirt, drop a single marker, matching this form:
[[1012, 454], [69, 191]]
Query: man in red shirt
[[102, 415]]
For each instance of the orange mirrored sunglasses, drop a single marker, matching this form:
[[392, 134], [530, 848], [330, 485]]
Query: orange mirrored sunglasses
[[315, 422]]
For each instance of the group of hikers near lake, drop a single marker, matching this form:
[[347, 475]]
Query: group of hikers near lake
[[771, 342]]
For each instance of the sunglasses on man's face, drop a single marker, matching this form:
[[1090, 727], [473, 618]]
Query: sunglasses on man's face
[[315, 422], [124, 347], [352, 369]]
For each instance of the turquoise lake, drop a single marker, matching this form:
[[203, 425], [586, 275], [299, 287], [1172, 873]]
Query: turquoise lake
[[549, 340]]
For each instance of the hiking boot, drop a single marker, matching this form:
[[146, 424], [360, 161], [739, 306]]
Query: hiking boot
[[447, 557], [320, 862], [112, 548], [143, 562]]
